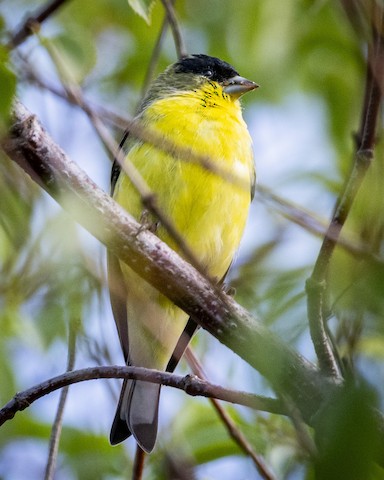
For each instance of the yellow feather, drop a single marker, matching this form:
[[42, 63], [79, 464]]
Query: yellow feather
[[208, 210]]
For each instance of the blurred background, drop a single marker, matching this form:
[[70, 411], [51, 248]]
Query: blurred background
[[309, 58]]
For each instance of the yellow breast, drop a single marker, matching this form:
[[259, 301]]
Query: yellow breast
[[208, 210]]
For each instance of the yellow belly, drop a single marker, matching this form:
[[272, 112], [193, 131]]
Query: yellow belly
[[208, 211]]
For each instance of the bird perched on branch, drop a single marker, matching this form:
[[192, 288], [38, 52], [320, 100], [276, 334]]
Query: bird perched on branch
[[194, 104]]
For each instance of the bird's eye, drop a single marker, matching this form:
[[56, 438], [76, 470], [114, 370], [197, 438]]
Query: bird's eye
[[208, 73]]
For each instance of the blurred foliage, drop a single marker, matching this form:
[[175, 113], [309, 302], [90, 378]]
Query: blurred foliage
[[7, 88], [52, 273], [355, 436]]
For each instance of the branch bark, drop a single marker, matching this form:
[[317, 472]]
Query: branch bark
[[190, 384], [32, 148]]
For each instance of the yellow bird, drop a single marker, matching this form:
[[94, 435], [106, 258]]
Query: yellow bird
[[194, 103]]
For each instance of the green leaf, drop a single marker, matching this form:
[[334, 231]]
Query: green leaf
[[7, 87], [143, 8]]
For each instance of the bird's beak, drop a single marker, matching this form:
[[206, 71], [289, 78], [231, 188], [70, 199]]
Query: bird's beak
[[237, 86]]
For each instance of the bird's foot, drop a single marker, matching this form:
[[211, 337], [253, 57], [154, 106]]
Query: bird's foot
[[147, 222]]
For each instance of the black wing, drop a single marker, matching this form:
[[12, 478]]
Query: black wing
[[117, 289]]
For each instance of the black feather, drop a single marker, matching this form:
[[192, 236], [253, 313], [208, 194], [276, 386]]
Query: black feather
[[211, 67]]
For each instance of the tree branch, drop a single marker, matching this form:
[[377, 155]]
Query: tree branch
[[33, 22], [176, 30], [192, 385], [149, 74], [288, 372], [31, 147], [317, 283]]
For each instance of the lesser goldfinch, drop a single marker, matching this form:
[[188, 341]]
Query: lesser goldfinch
[[194, 103]]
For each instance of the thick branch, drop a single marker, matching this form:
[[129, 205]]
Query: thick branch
[[31, 147], [190, 384]]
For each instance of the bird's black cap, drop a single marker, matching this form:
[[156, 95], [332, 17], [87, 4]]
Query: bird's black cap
[[210, 67]]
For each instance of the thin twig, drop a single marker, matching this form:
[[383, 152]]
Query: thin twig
[[232, 428], [317, 283], [356, 12], [303, 437], [33, 22], [138, 464], [58, 422], [313, 224], [176, 29], [190, 384], [154, 57]]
